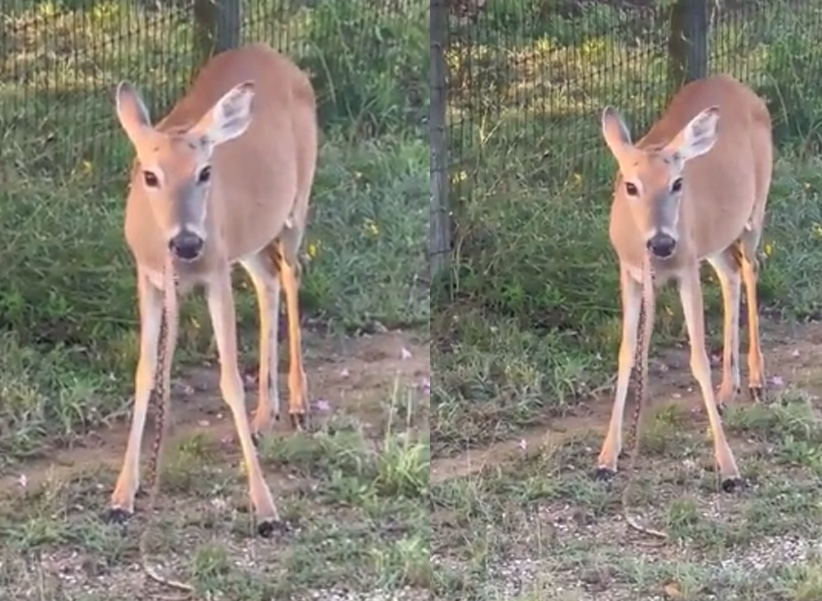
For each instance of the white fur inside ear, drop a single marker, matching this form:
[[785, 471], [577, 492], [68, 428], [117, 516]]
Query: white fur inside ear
[[231, 115], [614, 130], [700, 135], [131, 110]]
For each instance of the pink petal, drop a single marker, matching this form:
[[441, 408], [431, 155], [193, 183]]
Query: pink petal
[[322, 406], [425, 385], [344, 372], [405, 353], [777, 381]]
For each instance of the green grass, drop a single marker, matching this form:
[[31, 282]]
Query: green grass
[[355, 505], [543, 511]]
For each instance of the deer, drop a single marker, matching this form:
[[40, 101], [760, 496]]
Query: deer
[[224, 178], [693, 188]]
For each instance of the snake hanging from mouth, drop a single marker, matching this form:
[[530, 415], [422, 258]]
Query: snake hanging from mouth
[[161, 400], [639, 378]]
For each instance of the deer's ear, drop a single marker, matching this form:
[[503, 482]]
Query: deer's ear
[[699, 136], [229, 117], [131, 111], [615, 131]]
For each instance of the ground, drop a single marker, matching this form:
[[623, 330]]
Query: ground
[[522, 519], [352, 493]]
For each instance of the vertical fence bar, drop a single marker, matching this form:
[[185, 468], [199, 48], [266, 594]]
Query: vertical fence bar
[[688, 43], [440, 236], [217, 27]]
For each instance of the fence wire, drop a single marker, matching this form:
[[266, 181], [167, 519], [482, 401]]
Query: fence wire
[[61, 59], [528, 79]]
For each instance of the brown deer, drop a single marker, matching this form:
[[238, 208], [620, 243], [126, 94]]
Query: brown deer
[[224, 178], [694, 187]]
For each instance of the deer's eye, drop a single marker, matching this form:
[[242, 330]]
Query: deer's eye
[[150, 179], [677, 185], [204, 175], [631, 189]]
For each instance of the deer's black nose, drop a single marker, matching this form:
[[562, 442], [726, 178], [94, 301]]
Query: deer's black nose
[[186, 245], [662, 245]]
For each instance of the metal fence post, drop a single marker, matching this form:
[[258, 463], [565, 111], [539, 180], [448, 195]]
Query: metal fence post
[[688, 43], [217, 25], [440, 236]]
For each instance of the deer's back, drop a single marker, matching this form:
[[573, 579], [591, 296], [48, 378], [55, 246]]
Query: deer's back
[[722, 186]]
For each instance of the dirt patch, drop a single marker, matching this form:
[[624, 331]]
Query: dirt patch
[[356, 376], [793, 356]]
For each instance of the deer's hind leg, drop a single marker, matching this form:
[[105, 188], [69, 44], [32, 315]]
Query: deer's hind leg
[[727, 266], [262, 270], [749, 243], [286, 256]]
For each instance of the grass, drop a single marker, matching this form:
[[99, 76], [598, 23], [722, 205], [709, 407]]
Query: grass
[[537, 521], [527, 330], [355, 509]]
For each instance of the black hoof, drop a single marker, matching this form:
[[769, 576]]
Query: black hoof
[[268, 528], [299, 421], [256, 438], [720, 409], [604, 474], [757, 393], [732, 484], [116, 515]]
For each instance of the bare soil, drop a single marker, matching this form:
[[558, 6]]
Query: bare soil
[[351, 375], [793, 356]]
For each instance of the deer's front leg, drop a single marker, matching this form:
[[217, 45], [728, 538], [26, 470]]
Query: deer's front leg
[[220, 299], [631, 292], [727, 267], [690, 293], [266, 280], [150, 301]]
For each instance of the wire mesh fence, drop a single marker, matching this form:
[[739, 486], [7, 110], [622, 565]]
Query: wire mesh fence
[[528, 79], [60, 61]]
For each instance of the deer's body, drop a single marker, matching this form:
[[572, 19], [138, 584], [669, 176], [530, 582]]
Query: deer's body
[[693, 188], [225, 177]]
